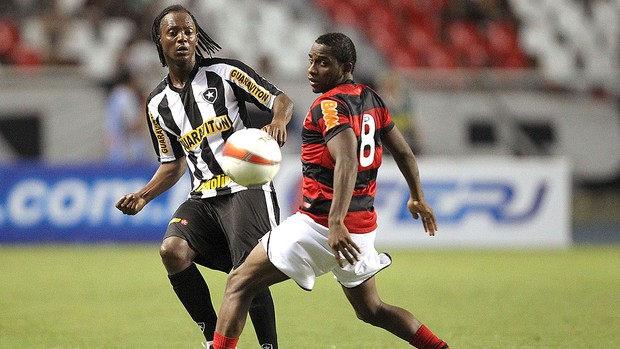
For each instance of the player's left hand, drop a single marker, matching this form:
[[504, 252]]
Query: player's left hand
[[277, 130], [420, 208]]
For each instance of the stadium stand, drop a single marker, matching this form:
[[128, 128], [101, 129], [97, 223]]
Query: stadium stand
[[429, 33], [435, 33], [559, 38]]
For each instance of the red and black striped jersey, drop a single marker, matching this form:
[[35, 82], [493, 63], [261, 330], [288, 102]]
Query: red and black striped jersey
[[196, 121], [349, 105]]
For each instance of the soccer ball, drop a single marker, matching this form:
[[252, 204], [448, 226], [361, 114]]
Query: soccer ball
[[251, 157]]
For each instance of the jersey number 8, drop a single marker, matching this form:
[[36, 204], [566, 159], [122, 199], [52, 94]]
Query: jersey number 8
[[367, 143]]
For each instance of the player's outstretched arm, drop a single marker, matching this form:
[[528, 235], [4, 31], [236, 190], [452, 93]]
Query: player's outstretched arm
[[165, 177], [408, 166]]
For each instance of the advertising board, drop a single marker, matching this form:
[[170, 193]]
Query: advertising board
[[478, 202]]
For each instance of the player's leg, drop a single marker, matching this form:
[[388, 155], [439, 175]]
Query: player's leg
[[243, 284], [371, 309], [178, 257], [263, 316], [245, 219], [295, 248], [188, 284]]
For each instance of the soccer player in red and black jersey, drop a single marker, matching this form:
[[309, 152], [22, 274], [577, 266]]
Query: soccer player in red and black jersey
[[334, 229]]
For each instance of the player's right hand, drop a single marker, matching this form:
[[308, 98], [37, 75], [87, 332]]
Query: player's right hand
[[277, 130], [131, 204], [344, 248]]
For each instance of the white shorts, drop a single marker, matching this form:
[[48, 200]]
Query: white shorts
[[298, 247]]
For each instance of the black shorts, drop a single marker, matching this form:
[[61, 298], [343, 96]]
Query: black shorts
[[224, 229]]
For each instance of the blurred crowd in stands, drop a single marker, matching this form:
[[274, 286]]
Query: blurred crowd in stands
[[101, 35], [420, 33], [73, 32], [436, 33]]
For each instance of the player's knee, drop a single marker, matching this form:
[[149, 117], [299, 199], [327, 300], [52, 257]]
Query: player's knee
[[239, 285], [370, 314], [235, 283], [174, 255], [364, 316]]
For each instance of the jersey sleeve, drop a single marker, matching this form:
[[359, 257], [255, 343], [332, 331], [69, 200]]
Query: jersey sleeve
[[331, 116], [167, 147], [386, 123], [250, 86]]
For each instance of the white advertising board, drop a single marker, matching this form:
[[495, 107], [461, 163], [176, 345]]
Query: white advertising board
[[489, 202]]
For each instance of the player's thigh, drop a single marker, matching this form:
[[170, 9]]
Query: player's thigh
[[195, 222], [245, 218], [256, 273]]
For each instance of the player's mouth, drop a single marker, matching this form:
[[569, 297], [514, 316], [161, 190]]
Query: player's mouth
[[313, 82]]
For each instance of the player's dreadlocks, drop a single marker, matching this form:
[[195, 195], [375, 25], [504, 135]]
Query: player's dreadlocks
[[342, 47], [206, 46]]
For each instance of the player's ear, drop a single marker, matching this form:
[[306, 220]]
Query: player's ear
[[347, 67]]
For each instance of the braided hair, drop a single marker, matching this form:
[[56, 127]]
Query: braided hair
[[206, 46], [342, 47]]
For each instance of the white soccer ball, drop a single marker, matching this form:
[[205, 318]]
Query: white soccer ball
[[251, 157]]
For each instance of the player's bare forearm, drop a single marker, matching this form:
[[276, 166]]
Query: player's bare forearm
[[165, 177], [408, 166], [405, 160]]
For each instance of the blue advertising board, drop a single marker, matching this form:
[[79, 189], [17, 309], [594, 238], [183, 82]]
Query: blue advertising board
[[478, 202], [75, 203]]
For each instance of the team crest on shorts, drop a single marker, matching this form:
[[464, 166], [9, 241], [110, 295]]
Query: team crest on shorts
[[202, 326], [210, 94]]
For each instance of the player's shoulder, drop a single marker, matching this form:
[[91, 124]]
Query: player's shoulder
[[323, 99], [347, 90], [223, 62], [362, 94], [340, 94], [158, 89]]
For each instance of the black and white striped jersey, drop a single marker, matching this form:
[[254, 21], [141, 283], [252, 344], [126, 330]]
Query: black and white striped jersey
[[195, 121]]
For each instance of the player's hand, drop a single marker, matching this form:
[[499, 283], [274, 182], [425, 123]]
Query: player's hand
[[277, 130], [339, 239], [419, 209], [131, 204]]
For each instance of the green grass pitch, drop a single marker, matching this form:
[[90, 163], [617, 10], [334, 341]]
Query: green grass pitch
[[118, 296]]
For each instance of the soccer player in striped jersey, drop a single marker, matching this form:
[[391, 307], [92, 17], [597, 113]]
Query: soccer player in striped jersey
[[334, 229], [191, 113]]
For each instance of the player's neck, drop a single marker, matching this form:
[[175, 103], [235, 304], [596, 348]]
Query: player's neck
[[180, 74]]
